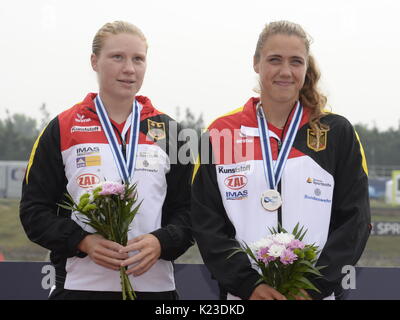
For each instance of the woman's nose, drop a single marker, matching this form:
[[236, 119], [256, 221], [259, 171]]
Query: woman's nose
[[129, 66], [285, 70]]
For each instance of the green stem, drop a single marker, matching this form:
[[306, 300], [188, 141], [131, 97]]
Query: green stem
[[109, 214], [127, 291], [130, 291], [122, 277]]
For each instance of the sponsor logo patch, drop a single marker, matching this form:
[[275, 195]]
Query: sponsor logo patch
[[155, 130], [87, 150], [150, 165], [317, 143], [81, 118], [318, 182], [236, 195], [242, 168], [88, 161], [148, 154], [317, 192], [314, 198], [236, 181], [87, 180], [85, 129], [245, 140]]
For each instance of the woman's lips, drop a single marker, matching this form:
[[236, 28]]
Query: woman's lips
[[127, 81], [283, 83]]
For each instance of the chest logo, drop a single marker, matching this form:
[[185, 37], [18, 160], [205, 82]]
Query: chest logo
[[81, 118], [155, 130], [85, 129], [236, 181], [87, 180], [88, 161], [317, 142]]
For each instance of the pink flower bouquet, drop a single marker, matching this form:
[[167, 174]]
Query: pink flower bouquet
[[109, 209], [284, 261]]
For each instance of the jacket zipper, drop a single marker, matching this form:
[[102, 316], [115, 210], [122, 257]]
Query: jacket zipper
[[279, 190], [123, 142]]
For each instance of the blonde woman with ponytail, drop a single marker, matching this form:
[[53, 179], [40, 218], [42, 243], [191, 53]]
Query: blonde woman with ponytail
[[289, 162]]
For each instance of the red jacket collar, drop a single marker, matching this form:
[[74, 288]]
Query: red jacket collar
[[88, 108], [249, 117]]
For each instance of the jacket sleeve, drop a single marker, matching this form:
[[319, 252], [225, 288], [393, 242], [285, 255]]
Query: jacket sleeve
[[43, 188], [350, 218], [175, 235], [215, 233]]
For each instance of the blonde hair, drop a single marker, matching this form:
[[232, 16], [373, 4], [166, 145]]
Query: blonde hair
[[309, 95], [115, 27]]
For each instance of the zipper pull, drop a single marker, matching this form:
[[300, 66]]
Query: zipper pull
[[124, 148], [279, 145]]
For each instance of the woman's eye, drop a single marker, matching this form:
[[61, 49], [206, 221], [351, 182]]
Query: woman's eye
[[274, 60], [297, 62]]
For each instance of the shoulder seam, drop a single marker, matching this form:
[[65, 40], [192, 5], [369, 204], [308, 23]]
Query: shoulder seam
[[237, 110]]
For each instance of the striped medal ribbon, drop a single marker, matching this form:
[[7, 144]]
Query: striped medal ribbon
[[271, 199], [126, 167]]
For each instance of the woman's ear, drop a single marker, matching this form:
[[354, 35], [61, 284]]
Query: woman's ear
[[93, 61], [256, 64]]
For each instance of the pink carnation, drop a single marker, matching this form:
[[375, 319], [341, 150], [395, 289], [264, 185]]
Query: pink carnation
[[296, 244], [287, 257], [109, 188], [263, 255]]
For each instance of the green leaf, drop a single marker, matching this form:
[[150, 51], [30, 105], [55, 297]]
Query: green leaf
[[259, 281], [272, 231], [308, 284], [71, 200], [68, 207], [320, 267], [236, 251], [302, 235], [294, 232], [297, 234], [283, 230], [313, 271], [307, 263]]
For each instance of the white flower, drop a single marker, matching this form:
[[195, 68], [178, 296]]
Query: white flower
[[262, 243], [276, 250], [283, 238]]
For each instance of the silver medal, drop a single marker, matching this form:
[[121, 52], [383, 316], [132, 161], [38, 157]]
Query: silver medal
[[271, 200]]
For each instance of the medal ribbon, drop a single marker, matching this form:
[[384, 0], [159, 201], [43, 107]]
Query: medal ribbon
[[273, 172], [126, 167]]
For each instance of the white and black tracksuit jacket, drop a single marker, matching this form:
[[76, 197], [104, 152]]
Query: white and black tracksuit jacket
[[72, 154], [324, 188]]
